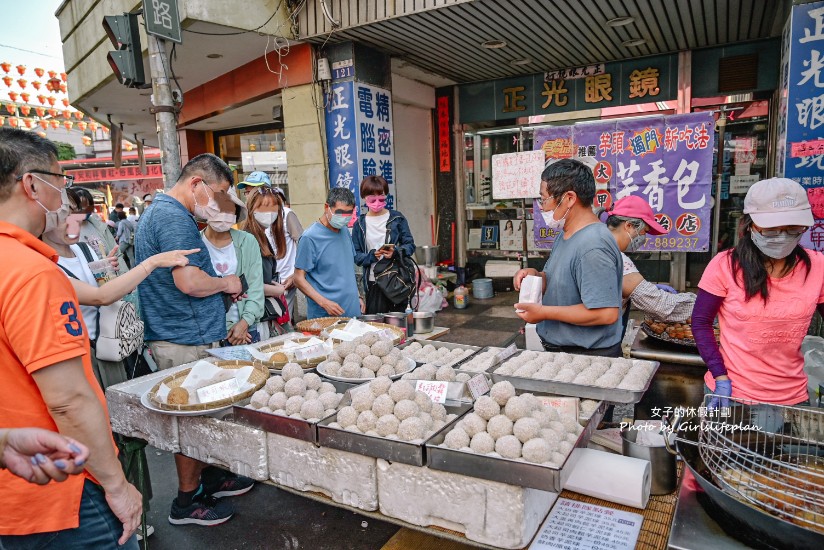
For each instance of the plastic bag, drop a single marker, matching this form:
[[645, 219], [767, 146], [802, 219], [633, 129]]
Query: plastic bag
[[430, 299]]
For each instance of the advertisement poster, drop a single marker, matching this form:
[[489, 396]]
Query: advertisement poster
[[665, 160]]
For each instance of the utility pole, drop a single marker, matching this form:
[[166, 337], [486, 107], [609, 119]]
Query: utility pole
[[163, 108]]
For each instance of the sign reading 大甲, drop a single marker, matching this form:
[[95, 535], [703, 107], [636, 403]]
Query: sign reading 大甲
[[162, 19]]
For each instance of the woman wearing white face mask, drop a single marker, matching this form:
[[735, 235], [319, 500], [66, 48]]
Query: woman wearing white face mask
[[235, 252], [629, 221], [764, 292]]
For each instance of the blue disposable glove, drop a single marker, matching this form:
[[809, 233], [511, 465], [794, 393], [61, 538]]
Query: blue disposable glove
[[667, 288], [723, 389]]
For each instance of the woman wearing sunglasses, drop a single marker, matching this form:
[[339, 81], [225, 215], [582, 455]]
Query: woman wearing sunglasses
[[764, 292]]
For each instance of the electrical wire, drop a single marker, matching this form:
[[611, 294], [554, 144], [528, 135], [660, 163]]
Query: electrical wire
[[277, 9]]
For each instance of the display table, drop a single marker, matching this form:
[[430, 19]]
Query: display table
[[436, 333], [679, 381]]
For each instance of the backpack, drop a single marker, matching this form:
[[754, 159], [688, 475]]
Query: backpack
[[119, 329], [396, 277]]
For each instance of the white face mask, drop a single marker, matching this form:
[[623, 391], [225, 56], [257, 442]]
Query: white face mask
[[210, 210], [778, 247], [266, 219], [635, 242], [551, 222], [222, 222], [55, 217], [132, 218]]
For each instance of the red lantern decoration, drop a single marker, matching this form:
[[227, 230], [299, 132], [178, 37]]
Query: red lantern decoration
[[41, 112], [44, 124], [42, 99], [25, 109], [13, 96], [53, 84], [105, 130], [54, 124], [36, 84], [8, 80], [13, 122], [65, 101], [25, 96], [21, 69], [38, 71], [29, 123], [87, 141], [2, 120], [51, 100], [53, 112], [10, 107], [52, 74], [64, 76], [82, 125], [68, 124], [67, 114], [93, 126], [22, 82], [78, 115], [6, 66], [63, 88], [41, 134]]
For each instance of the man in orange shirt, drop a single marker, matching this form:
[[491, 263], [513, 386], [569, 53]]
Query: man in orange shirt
[[46, 379]]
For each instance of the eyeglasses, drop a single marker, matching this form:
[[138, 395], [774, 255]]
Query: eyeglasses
[[793, 231], [68, 180]]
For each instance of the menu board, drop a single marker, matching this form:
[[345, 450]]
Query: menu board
[[517, 175], [574, 525]]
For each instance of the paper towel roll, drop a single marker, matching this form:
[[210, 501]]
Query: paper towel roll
[[616, 478]]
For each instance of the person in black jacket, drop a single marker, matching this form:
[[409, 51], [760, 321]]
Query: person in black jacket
[[371, 232]]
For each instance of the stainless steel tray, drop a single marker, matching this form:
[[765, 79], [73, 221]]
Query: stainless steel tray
[[613, 395], [283, 425], [447, 345], [503, 470], [458, 368], [392, 450]]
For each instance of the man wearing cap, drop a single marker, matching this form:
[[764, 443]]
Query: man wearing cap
[[184, 314], [581, 307], [293, 232], [764, 293]]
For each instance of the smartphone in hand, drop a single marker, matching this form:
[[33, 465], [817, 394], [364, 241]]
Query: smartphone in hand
[[389, 247]]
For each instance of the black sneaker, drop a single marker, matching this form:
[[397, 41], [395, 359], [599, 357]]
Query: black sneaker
[[228, 485], [202, 511]]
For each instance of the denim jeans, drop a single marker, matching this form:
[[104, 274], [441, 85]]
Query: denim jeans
[[99, 529]]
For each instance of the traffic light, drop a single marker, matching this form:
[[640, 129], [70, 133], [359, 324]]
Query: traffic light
[[127, 60]]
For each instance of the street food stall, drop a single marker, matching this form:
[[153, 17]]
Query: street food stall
[[487, 446]]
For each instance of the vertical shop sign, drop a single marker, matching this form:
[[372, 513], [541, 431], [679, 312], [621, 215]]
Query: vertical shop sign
[[803, 159], [444, 135], [341, 137], [556, 143], [665, 160], [375, 143]]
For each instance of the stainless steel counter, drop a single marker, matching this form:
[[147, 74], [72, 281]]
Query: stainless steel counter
[[645, 347]]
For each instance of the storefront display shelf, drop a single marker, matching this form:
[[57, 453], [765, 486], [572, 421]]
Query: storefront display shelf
[[511, 472]]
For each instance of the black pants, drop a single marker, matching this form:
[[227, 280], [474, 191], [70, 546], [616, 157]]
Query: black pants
[[376, 302], [612, 351]]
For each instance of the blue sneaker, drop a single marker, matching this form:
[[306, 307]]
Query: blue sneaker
[[202, 511], [228, 485]]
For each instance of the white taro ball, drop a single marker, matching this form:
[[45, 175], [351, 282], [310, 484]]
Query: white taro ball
[[406, 408], [473, 424], [312, 409], [329, 400], [310, 394], [278, 401], [508, 447], [265, 409], [366, 373], [381, 348], [482, 443], [551, 436], [423, 401], [372, 363], [537, 450], [362, 401], [347, 416], [383, 405], [331, 368], [456, 439], [565, 447], [386, 370], [326, 387], [345, 348], [526, 428], [293, 404], [380, 385], [427, 420], [353, 358], [353, 428], [402, 389], [543, 417], [275, 384], [517, 408], [410, 429], [259, 399], [390, 360], [281, 412], [367, 421], [295, 386], [387, 425], [499, 426], [291, 371], [558, 426], [313, 381], [445, 374], [501, 392], [369, 338], [350, 370], [363, 350], [438, 412], [462, 377]]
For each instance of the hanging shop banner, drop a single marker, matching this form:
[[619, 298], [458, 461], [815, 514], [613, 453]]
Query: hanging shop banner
[[89, 175], [359, 137], [665, 160], [801, 123], [628, 82]]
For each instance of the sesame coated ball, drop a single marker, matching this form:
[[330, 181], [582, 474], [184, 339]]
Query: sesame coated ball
[[423, 401], [406, 408], [372, 363], [330, 400], [482, 443], [536, 450], [438, 412], [275, 384], [508, 447], [456, 439], [380, 385], [473, 424], [383, 405], [517, 408], [401, 390], [362, 401], [313, 381], [367, 420], [501, 392], [295, 386], [293, 404], [259, 399], [312, 409], [347, 416], [363, 350], [499, 426], [366, 373], [278, 401], [445, 374], [349, 370], [326, 387], [386, 370], [526, 428], [381, 348], [386, 425], [291, 371], [410, 429]]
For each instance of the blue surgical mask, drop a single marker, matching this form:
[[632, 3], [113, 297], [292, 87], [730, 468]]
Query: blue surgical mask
[[339, 221]]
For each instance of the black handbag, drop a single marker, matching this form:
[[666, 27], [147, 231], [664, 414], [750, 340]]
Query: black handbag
[[396, 277]]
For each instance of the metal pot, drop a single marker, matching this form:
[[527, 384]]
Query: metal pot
[[372, 318], [424, 321], [396, 320], [663, 470], [427, 255]]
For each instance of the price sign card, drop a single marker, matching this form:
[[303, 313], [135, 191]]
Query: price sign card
[[574, 525], [435, 390], [231, 353], [216, 392], [508, 352], [478, 385], [568, 406]]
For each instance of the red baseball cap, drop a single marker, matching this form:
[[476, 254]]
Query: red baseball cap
[[636, 207]]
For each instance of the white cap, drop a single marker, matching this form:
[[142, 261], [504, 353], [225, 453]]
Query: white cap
[[778, 201]]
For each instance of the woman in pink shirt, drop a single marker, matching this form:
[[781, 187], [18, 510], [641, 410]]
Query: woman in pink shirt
[[764, 292]]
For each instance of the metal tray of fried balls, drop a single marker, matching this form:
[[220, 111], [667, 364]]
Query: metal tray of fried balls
[[617, 380], [363, 358], [440, 354], [434, 373], [510, 437], [292, 403], [386, 419]]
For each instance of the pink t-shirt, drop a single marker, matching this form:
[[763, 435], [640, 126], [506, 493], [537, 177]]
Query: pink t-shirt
[[761, 344]]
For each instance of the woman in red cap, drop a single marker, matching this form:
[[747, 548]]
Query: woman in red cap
[[630, 220]]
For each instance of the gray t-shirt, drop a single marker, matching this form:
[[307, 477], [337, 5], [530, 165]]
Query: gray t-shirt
[[585, 269]]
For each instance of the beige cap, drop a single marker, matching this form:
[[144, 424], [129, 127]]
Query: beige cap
[[778, 201]]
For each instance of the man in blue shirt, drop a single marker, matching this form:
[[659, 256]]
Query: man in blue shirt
[[325, 266], [184, 314]]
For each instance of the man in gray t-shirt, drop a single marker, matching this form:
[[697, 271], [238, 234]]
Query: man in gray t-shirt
[[581, 307]]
